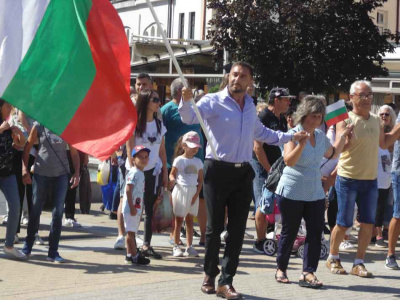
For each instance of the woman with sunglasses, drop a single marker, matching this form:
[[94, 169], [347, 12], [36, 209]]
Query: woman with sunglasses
[[388, 119], [150, 133]]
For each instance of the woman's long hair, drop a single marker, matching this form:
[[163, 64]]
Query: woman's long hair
[[141, 107], [179, 148]]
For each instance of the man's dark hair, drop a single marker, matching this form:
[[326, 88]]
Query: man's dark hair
[[144, 75], [244, 64]]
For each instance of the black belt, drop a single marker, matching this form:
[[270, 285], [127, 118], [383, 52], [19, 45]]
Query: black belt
[[229, 164]]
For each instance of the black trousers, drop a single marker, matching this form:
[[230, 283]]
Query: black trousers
[[149, 199], [226, 186], [381, 207], [291, 213]]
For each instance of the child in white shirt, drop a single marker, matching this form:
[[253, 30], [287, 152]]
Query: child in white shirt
[[132, 204], [187, 176]]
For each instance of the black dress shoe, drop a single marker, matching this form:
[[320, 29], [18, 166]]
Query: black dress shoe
[[208, 286], [228, 292]]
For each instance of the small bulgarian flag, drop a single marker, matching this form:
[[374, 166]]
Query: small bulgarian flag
[[335, 113], [66, 63]]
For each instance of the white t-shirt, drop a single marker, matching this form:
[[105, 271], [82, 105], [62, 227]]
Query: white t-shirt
[[188, 170], [151, 139], [134, 177], [384, 169]]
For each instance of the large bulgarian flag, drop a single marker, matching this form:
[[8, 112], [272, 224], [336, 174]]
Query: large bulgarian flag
[[335, 113], [66, 63]]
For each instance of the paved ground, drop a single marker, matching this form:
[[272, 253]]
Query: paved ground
[[95, 271]]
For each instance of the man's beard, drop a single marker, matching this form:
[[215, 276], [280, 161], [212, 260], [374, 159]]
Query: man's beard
[[236, 90]]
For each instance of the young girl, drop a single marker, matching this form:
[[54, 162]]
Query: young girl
[[187, 174], [132, 203]]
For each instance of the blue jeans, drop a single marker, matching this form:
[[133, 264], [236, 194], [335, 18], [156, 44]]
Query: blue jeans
[[9, 187], [365, 192], [41, 185], [396, 195]]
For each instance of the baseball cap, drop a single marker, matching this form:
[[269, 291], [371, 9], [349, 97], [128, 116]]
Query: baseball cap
[[191, 139], [139, 148], [280, 93]]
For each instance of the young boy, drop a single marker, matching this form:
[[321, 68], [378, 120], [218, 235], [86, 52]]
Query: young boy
[[132, 204]]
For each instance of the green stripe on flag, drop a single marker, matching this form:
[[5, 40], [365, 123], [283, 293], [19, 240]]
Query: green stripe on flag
[[335, 113], [58, 69]]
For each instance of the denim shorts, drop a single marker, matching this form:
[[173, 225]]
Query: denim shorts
[[349, 191], [260, 176], [396, 195]]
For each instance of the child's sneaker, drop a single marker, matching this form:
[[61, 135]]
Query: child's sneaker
[[120, 243], [177, 251], [190, 251], [140, 260]]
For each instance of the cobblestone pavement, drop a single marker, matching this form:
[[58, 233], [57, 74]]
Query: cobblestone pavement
[[95, 271]]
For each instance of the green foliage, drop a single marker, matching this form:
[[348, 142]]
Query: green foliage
[[213, 89], [314, 45]]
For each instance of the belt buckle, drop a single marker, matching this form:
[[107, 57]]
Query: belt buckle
[[238, 165]]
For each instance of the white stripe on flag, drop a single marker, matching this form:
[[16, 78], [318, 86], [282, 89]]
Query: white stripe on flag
[[335, 106], [19, 21]]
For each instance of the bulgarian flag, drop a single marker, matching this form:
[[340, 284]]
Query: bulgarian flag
[[66, 63], [335, 113]]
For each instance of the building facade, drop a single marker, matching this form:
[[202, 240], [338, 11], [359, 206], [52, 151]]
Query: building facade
[[185, 23]]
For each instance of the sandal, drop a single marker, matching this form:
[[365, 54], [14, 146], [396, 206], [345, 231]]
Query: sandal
[[282, 278], [313, 283]]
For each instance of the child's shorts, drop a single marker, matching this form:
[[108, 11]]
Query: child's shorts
[[182, 199], [132, 223]]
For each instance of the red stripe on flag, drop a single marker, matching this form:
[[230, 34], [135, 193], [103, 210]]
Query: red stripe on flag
[[337, 119], [106, 118]]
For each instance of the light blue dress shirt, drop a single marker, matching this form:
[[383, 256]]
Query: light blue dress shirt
[[232, 130], [303, 180]]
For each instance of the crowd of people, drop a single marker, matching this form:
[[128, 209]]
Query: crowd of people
[[351, 169]]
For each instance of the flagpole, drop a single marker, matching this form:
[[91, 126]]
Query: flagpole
[[178, 69]]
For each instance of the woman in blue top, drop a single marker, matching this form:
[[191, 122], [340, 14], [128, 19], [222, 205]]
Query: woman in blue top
[[300, 193]]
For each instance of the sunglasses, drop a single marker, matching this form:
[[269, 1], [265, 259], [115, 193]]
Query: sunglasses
[[384, 114], [155, 100]]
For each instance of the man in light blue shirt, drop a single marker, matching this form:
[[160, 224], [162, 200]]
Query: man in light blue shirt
[[232, 123]]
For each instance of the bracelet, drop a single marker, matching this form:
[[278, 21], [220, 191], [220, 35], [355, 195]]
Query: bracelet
[[293, 138]]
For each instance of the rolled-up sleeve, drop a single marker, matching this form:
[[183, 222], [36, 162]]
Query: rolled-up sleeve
[[187, 113], [188, 116], [268, 136]]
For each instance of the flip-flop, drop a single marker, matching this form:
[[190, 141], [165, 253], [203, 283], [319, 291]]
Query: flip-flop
[[313, 283], [282, 279]]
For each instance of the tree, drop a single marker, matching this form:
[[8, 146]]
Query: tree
[[314, 45]]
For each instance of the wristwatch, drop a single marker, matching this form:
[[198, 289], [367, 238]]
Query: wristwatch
[[293, 138]]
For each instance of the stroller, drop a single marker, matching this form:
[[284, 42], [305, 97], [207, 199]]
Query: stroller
[[271, 243]]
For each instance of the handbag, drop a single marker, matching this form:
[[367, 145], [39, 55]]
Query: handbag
[[103, 173], [275, 174]]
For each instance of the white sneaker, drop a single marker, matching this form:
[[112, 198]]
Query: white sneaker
[[24, 221], [14, 252], [38, 240], [177, 251], [346, 245], [72, 223], [190, 251], [224, 235], [16, 239], [5, 219], [120, 243]]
